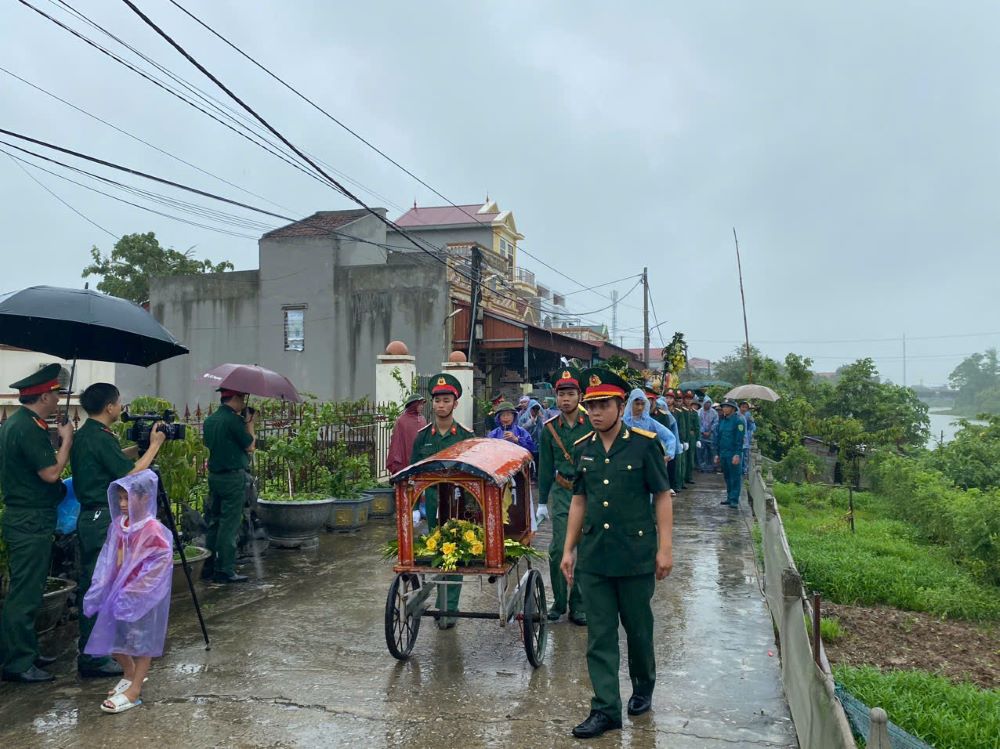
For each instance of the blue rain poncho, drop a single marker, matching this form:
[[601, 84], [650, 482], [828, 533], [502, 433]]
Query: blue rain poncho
[[661, 403], [648, 423]]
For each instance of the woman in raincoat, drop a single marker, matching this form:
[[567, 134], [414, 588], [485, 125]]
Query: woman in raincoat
[[638, 418], [130, 593]]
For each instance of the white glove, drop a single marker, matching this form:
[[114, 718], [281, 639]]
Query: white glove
[[698, 444], [542, 514], [686, 447]]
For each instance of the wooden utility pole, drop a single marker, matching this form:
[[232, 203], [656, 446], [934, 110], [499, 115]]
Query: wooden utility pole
[[645, 317], [743, 301]]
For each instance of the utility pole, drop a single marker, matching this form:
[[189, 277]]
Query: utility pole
[[743, 301], [614, 314], [474, 298], [904, 359], [645, 317]]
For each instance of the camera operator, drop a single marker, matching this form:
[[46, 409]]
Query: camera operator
[[29, 472], [229, 436], [97, 460]]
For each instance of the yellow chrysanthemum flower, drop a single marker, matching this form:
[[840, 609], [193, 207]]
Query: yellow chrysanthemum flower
[[470, 536], [448, 549], [477, 548], [431, 543]]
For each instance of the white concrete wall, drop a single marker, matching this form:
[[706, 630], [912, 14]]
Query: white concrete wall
[[16, 364]]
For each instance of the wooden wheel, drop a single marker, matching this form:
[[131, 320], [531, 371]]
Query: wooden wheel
[[400, 629], [535, 622]]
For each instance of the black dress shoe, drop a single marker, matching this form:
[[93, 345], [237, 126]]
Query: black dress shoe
[[107, 670], [44, 660], [229, 577], [33, 675], [208, 571], [578, 618], [595, 725], [639, 704], [554, 616]]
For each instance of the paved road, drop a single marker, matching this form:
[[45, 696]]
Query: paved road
[[300, 661]]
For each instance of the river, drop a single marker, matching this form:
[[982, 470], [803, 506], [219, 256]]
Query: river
[[943, 423]]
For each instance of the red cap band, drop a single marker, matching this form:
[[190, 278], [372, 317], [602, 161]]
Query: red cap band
[[444, 390], [45, 387]]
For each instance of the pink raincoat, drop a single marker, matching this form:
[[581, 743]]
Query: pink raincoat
[[130, 592]]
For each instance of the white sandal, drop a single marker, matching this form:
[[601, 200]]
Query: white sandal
[[122, 685], [119, 703]]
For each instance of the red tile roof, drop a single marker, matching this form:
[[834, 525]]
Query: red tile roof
[[319, 224], [445, 215]]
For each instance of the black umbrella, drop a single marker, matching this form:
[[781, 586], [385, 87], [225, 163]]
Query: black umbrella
[[84, 324]]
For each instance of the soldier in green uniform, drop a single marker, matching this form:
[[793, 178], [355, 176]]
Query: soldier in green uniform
[[556, 473], [229, 436], [624, 547], [680, 473], [97, 460], [29, 475], [443, 431], [690, 435]]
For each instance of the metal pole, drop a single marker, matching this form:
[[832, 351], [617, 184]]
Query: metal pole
[[645, 318], [816, 636], [743, 301]]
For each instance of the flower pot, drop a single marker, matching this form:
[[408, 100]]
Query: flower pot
[[348, 515], [57, 593], [196, 561], [294, 524], [383, 502]]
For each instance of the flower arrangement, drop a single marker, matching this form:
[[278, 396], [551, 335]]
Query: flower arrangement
[[458, 543], [674, 360]]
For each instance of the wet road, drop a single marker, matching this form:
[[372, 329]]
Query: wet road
[[300, 661]]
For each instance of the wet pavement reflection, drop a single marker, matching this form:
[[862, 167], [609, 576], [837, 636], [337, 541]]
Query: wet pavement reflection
[[299, 660]]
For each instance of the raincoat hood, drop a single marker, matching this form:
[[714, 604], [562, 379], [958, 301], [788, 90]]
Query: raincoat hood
[[661, 403], [706, 402], [142, 489], [638, 394]]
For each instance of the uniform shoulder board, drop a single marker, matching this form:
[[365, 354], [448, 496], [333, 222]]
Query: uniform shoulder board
[[424, 427], [588, 435], [644, 433], [552, 419], [463, 427]]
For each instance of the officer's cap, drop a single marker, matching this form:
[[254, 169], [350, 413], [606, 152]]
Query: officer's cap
[[603, 383], [445, 384], [45, 380]]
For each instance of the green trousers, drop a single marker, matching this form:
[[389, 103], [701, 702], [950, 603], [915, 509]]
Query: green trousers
[[447, 595], [559, 502], [689, 461], [91, 532], [224, 513], [610, 599], [28, 536]]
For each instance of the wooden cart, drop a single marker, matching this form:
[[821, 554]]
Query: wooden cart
[[476, 480]]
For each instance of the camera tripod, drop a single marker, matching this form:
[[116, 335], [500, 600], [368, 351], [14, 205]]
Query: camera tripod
[[163, 502]]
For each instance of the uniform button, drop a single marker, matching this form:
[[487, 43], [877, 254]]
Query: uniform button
[[606, 526], [606, 481], [605, 503], [630, 468], [640, 533], [607, 460]]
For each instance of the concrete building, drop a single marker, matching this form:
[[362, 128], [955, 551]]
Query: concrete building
[[16, 364]]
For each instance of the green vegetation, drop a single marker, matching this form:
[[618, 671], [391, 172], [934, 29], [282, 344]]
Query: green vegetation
[[944, 714], [977, 380], [885, 562], [972, 459], [830, 629]]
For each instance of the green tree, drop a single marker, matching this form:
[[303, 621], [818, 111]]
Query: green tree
[[135, 259], [972, 459], [733, 368], [974, 376]]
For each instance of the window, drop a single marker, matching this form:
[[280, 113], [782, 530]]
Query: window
[[295, 328]]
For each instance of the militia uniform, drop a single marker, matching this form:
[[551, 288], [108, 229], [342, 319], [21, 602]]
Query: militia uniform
[[729, 436], [616, 557], [227, 439], [97, 460], [429, 441], [29, 522], [556, 474]]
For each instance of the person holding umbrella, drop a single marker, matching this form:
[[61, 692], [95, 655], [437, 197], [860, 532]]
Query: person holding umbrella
[[30, 472], [229, 436], [97, 461]]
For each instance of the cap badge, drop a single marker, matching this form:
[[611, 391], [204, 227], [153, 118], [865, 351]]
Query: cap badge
[[595, 380], [441, 381], [566, 375]]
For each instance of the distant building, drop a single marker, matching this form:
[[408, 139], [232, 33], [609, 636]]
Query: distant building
[[695, 365], [16, 364]]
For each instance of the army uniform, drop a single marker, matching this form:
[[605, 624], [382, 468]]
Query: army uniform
[[680, 473], [429, 441], [227, 439], [729, 436], [556, 474], [29, 522], [616, 555], [97, 460], [690, 436]]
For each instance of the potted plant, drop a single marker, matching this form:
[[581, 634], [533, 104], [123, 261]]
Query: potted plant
[[292, 511], [383, 502], [54, 602], [196, 556], [350, 477]]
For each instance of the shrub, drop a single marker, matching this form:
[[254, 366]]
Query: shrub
[[798, 465]]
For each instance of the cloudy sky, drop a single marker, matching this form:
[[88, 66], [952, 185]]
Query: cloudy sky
[[854, 147]]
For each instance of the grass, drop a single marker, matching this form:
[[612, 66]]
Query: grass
[[830, 630], [884, 562], [945, 715]]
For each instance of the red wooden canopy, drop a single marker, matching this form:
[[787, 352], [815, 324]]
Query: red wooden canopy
[[491, 459]]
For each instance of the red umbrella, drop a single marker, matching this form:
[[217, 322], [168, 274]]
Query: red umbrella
[[249, 378]]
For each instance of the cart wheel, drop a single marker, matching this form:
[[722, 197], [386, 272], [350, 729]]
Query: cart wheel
[[400, 629], [535, 623]]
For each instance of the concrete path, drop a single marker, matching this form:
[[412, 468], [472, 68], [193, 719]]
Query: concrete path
[[300, 661]]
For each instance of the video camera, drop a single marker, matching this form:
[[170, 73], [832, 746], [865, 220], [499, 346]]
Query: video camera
[[142, 427]]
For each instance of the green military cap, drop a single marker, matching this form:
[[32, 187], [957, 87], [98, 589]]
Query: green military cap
[[45, 380], [414, 398], [568, 377], [603, 383], [505, 406], [445, 384], [731, 403]]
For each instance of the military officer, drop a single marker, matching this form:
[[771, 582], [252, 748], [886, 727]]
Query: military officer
[[29, 474], [690, 435], [97, 460], [556, 472], [674, 407], [229, 436], [442, 431], [729, 436], [624, 547]]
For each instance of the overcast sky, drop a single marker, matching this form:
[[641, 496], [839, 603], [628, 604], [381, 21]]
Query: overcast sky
[[855, 148]]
